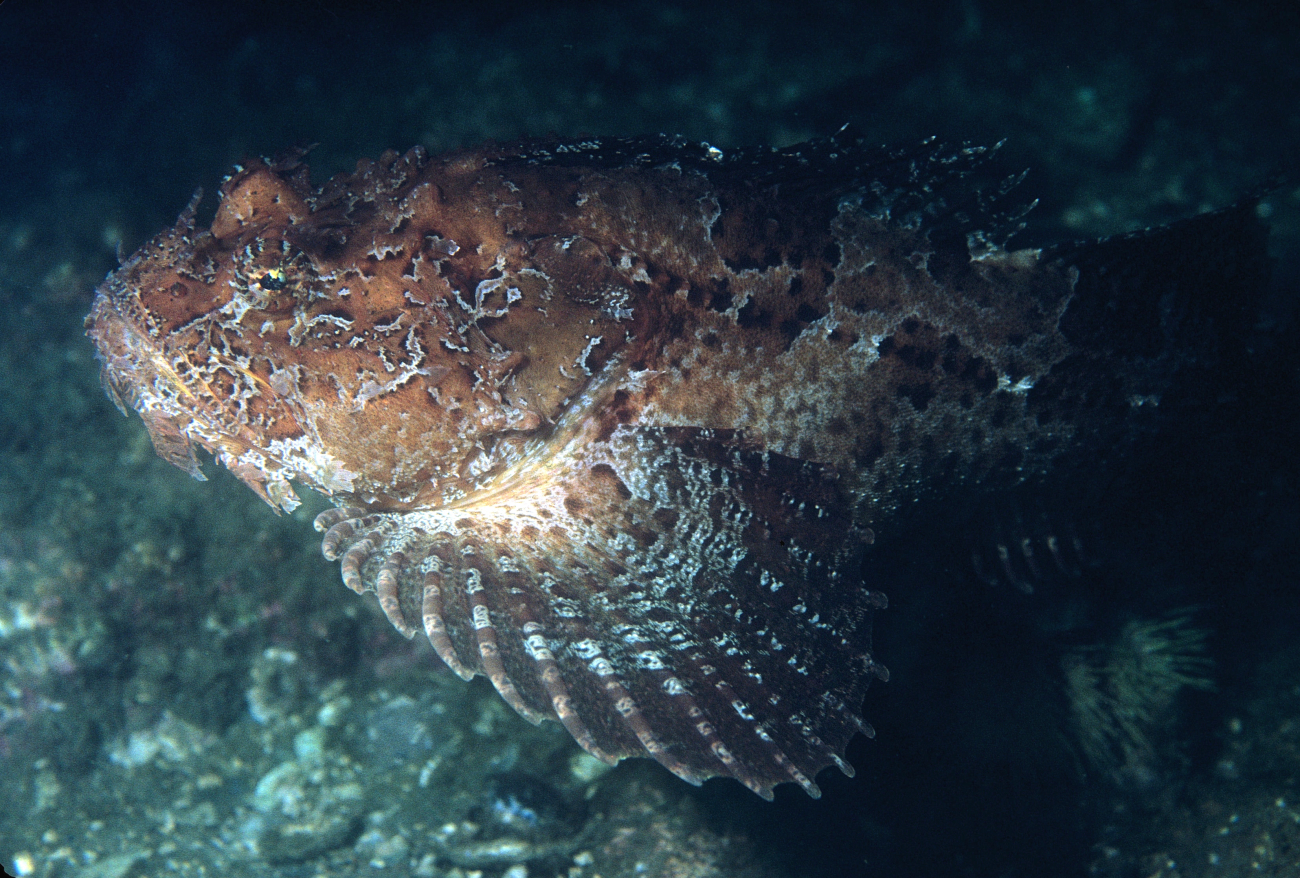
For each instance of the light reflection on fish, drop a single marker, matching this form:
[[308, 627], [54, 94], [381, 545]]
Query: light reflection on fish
[[613, 421]]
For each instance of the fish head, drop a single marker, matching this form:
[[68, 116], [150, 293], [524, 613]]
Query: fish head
[[168, 328], [294, 354]]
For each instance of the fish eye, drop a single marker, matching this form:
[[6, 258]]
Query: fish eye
[[273, 280]]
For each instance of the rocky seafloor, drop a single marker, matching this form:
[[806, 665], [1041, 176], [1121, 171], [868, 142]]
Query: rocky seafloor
[[187, 688]]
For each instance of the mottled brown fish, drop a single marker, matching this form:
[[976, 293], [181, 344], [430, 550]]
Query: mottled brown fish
[[613, 421]]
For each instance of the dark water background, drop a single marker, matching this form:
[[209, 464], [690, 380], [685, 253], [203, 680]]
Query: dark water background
[[187, 687]]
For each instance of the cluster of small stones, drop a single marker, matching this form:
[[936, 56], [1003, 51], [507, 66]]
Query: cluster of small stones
[[338, 779]]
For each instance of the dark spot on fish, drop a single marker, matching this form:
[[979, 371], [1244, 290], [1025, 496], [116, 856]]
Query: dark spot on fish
[[920, 358], [574, 505], [985, 379], [619, 406], [605, 473], [806, 313], [790, 329], [339, 313], [754, 317], [695, 295], [645, 536], [768, 258], [869, 451], [386, 318], [666, 517], [919, 395], [672, 326], [796, 285]]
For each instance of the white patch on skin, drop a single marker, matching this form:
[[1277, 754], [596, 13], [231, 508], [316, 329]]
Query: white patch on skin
[[301, 325], [317, 467], [592, 341]]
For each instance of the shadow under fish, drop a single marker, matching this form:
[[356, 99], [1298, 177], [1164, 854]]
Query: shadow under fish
[[613, 421]]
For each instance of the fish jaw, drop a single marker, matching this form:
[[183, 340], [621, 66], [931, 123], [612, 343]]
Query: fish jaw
[[138, 374]]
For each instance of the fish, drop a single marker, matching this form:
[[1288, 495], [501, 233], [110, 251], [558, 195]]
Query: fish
[[616, 421]]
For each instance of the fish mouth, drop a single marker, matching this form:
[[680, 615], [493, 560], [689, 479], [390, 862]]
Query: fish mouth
[[138, 376], [183, 412]]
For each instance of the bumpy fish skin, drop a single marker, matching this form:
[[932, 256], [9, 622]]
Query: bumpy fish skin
[[613, 421]]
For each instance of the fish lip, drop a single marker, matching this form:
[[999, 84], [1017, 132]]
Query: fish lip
[[136, 374], [129, 370], [118, 347]]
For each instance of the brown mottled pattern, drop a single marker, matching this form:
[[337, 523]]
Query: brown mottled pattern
[[613, 421]]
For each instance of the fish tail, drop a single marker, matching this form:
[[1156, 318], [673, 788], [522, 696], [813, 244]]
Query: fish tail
[[1187, 292]]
